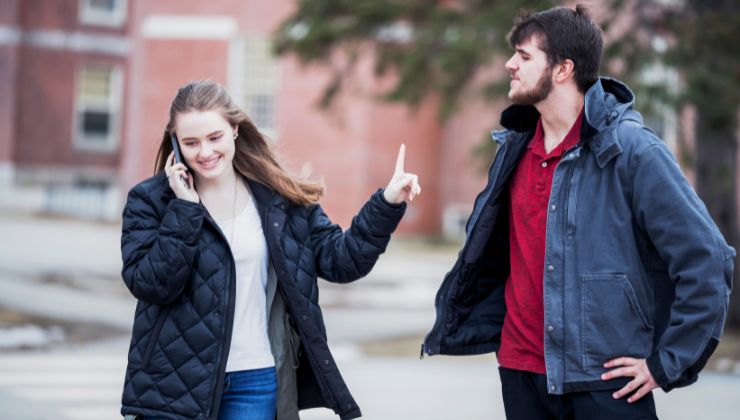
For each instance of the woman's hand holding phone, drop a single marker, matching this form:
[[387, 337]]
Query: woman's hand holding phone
[[180, 181]]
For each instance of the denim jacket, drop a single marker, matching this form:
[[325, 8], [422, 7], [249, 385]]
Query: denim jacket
[[634, 265]]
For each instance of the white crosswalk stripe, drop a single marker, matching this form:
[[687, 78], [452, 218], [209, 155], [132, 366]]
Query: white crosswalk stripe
[[75, 386], [64, 386]]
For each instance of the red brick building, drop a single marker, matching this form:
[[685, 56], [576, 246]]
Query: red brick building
[[62, 67], [86, 87]]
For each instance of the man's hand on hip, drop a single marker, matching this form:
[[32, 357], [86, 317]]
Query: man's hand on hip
[[643, 380]]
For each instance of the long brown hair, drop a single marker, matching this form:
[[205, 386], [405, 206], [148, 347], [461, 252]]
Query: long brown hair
[[254, 157]]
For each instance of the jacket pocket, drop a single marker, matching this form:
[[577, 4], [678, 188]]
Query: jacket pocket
[[154, 336], [613, 324]]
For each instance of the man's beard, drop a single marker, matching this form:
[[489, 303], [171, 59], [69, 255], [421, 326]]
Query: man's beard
[[540, 91]]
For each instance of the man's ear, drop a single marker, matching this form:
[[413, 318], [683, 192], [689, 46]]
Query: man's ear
[[564, 70]]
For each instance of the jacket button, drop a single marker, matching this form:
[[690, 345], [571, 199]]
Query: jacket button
[[304, 317], [210, 366], [550, 268], [550, 328], [552, 388], [543, 164], [553, 207], [220, 266], [276, 224], [326, 362]]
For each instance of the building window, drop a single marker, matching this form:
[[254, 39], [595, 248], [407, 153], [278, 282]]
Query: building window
[[103, 12], [254, 81], [97, 108]]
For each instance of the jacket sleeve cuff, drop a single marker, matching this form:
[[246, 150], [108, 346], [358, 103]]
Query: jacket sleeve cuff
[[401, 205], [380, 218], [656, 369]]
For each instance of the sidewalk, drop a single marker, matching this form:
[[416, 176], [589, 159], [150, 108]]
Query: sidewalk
[[69, 270]]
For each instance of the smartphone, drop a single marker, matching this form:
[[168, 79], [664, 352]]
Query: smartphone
[[176, 148], [178, 156]]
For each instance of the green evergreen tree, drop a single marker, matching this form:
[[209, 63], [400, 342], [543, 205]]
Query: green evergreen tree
[[436, 47], [696, 39]]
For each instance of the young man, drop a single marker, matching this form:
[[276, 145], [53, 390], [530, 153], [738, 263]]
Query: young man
[[590, 267]]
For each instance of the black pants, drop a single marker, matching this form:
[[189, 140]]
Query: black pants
[[526, 398]]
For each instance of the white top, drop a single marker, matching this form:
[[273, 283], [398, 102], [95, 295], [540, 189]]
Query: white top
[[250, 345]]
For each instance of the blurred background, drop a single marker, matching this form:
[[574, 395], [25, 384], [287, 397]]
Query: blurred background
[[85, 88]]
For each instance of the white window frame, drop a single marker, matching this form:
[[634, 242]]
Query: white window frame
[[114, 106], [91, 15], [237, 83]]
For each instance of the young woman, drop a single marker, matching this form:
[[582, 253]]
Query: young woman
[[222, 252]]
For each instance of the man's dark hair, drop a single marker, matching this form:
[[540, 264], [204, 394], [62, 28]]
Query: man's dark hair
[[564, 34]]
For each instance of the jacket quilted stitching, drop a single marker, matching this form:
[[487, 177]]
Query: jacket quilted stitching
[[177, 263]]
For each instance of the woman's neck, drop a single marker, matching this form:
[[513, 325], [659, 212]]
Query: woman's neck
[[224, 197], [218, 193], [219, 186]]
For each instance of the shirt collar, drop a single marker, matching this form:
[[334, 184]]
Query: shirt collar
[[537, 145]]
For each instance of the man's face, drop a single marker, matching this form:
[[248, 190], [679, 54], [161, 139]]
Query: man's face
[[531, 76]]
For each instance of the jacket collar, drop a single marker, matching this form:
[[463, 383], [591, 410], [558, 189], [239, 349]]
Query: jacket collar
[[604, 104], [167, 193], [264, 196]]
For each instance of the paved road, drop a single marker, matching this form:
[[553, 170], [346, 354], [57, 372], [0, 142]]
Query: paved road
[[85, 383], [69, 270]]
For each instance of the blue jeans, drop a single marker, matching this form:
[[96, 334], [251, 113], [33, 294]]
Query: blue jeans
[[248, 395]]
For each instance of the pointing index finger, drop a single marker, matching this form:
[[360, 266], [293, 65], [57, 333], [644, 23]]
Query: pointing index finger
[[400, 159]]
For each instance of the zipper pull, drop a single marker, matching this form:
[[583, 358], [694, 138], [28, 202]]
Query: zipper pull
[[421, 353]]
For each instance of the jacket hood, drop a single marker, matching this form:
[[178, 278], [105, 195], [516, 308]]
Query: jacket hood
[[604, 103]]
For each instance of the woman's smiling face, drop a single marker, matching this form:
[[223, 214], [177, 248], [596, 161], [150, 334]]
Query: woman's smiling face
[[206, 142]]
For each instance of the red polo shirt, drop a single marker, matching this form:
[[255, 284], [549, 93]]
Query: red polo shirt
[[522, 338]]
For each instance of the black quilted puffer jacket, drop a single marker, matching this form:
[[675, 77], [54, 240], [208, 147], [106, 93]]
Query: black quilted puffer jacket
[[178, 265]]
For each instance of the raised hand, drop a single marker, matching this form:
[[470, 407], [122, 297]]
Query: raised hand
[[402, 184], [180, 181]]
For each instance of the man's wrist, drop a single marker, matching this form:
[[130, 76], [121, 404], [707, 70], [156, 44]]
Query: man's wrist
[[655, 367]]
